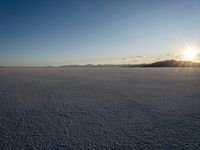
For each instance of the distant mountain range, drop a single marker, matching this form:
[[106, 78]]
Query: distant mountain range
[[166, 63], [172, 63]]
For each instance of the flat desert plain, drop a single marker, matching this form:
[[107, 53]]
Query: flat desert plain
[[100, 108]]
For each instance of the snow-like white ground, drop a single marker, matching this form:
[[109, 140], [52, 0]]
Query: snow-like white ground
[[100, 108]]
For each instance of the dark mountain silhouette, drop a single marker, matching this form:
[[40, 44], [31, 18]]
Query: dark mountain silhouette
[[173, 63]]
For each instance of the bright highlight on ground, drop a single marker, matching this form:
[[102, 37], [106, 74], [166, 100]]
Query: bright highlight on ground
[[190, 53]]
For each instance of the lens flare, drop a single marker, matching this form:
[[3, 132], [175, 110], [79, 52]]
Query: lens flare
[[190, 53]]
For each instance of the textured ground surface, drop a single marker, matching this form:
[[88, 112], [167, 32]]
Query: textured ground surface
[[100, 108]]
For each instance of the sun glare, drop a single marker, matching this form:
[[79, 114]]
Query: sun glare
[[190, 53]]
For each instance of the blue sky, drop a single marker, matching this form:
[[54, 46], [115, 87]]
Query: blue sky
[[49, 32]]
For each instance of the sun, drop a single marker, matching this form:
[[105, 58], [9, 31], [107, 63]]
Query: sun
[[190, 53]]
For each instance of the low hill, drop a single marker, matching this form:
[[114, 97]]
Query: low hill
[[173, 63]]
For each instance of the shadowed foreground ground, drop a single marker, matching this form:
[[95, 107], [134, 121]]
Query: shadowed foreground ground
[[100, 108]]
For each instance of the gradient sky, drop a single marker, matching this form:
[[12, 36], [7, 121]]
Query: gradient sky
[[56, 32]]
